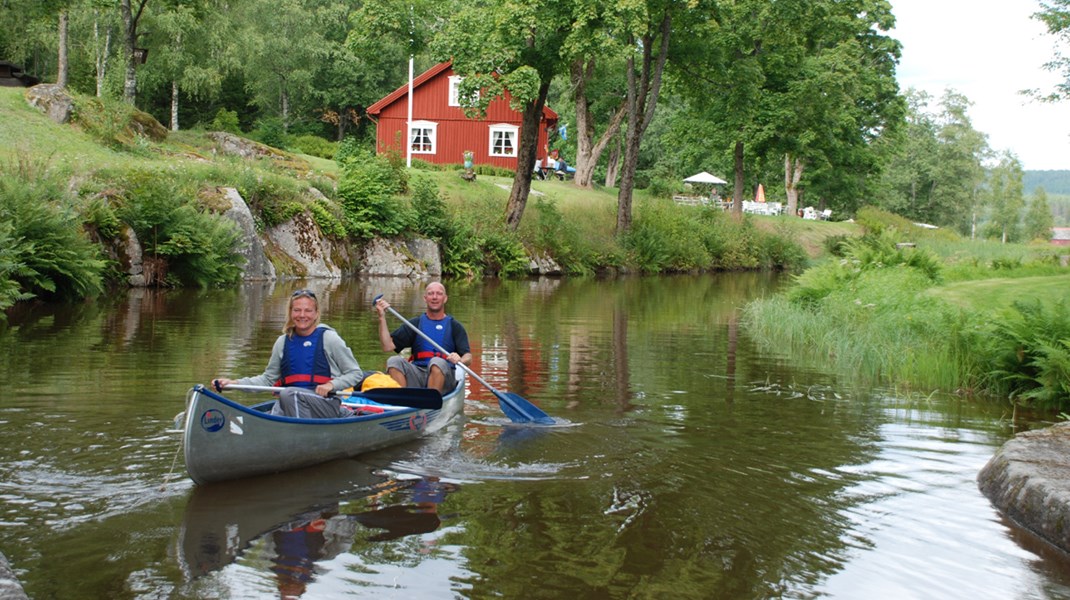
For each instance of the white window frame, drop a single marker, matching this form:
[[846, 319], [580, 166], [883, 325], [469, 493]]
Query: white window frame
[[507, 130], [455, 91], [432, 127]]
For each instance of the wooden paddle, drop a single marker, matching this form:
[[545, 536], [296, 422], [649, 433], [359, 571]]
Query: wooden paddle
[[514, 406], [426, 398]]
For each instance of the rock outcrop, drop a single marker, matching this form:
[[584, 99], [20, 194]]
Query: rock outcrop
[[418, 258], [257, 266], [1028, 480], [10, 588], [300, 250]]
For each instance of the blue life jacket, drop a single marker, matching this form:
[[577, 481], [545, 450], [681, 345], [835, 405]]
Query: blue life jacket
[[441, 331], [304, 361]]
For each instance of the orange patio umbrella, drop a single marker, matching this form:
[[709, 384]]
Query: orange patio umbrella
[[759, 196]]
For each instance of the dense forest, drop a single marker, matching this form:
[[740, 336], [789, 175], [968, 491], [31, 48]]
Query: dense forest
[[798, 96]]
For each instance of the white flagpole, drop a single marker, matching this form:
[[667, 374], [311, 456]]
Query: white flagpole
[[408, 142]]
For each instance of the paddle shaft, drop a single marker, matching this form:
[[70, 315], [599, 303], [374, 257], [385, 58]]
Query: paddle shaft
[[428, 339]]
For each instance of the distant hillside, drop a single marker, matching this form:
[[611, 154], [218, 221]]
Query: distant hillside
[[1053, 182]]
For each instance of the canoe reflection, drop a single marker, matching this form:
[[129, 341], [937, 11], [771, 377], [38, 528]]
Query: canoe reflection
[[303, 517]]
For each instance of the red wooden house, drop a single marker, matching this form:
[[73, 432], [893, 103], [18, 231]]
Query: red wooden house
[[441, 133], [1060, 236]]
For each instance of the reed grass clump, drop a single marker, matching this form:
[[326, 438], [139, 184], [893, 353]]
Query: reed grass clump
[[882, 312]]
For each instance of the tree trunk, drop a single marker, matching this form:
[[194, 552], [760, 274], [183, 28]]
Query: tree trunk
[[63, 74], [130, 20], [525, 158], [587, 151], [793, 170], [642, 100], [737, 190], [284, 106], [613, 163], [174, 105], [101, 53]]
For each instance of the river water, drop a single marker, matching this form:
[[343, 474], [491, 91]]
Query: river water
[[695, 465]]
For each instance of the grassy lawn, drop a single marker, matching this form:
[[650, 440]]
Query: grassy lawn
[[990, 295], [809, 234], [28, 133]]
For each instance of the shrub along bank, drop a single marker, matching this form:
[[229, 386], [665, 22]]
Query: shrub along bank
[[890, 309]]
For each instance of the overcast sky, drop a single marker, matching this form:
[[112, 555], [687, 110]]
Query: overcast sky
[[988, 50]]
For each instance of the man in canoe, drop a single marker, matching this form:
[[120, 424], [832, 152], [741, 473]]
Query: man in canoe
[[311, 360], [426, 366]]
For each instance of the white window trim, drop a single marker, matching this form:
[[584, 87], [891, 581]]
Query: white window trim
[[434, 135], [455, 90], [507, 129]]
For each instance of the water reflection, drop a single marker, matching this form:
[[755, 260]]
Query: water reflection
[[301, 519]]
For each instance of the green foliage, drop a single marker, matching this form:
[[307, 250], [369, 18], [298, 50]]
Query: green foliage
[[868, 253], [368, 188], [1038, 219], [197, 248], [329, 222], [504, 254], [226, 120], [10, 291], [493, 171], [577, 251], [1027, 355], [461, 254], [100, 215], [833, 244], [432, 218], [270, 131], [313, 145], [350, 148], [780, 251], [267, 194], [46, 253], [664, 238], [661, 187], [106, 120]]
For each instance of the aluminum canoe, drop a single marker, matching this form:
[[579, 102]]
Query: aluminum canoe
[[224, 440]]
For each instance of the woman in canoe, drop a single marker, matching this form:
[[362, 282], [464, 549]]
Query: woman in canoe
[[311, 360]]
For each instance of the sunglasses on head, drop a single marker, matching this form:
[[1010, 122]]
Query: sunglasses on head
[[300, 293]]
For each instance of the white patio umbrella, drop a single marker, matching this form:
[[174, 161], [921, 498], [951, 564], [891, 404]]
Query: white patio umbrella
[[704, 177]]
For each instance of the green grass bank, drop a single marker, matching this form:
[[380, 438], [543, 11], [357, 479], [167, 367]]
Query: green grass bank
[[927, 311]]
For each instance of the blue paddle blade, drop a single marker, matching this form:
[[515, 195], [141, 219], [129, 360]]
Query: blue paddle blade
[[520, 410]]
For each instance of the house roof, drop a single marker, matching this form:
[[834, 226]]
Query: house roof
[[1060, 233], [547, 113]]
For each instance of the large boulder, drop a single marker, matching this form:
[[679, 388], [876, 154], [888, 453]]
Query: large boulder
[[1028, 479], [234, 145], [53, 100]]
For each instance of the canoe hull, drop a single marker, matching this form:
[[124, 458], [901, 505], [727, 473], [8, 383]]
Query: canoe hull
[[226, 440]]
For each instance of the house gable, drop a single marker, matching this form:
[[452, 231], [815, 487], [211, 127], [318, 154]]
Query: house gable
[[441, 132]]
